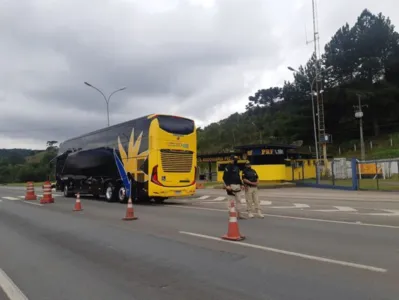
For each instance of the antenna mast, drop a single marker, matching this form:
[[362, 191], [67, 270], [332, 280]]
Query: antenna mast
[[318, 87]]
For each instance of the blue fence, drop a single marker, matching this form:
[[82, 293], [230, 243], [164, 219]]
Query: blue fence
[[352, 174], [339, 174]]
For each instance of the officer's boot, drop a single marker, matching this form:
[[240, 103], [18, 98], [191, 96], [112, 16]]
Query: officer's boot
[[240, 216]]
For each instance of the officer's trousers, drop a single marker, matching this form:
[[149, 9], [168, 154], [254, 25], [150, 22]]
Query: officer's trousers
[[234, 196], [252, 199]]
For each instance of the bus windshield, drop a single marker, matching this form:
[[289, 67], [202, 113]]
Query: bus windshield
[[176, 125]]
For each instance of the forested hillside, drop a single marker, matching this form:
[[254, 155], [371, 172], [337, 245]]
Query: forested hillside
[[21, 165], [362, 59]]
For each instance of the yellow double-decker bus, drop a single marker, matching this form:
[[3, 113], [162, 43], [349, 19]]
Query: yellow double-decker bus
[[152, 157]]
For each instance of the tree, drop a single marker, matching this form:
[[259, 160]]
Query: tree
[[51, 145], [264, 98], [21, 165], [361, 59]]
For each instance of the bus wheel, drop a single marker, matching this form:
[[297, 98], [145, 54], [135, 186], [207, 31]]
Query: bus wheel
[[159, 200], [122, 197], [109, 193], [67, 193]]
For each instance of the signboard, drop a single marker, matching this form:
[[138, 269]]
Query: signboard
[[369, 169], [213, 159], [265, 152], [178, 145]]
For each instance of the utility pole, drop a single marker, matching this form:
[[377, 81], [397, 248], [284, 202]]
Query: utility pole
[[359, 115]]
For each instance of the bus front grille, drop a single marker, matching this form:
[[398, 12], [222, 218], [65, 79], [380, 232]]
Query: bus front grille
[[176, 161]]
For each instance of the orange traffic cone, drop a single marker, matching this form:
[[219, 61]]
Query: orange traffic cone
[[130, 211], [30, 191], [47, 197], [233, 233], [78, 205]]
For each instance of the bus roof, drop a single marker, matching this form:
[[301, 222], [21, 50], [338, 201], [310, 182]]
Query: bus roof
[[150, 116]]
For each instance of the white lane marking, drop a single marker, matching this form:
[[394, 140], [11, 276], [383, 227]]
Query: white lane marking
[[295, 218], [33, 203], [242, 201], [337, 208], [263, 202], [54, 195], [345, 208], [11, 198], [297, 254], [39, 196], [10, 288], [390, 212], [203, 197], [296, 205], [219, 199]]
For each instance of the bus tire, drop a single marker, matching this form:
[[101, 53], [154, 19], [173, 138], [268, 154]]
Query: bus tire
[[110, 194], [122, 197], [159, 200], [67, 193]]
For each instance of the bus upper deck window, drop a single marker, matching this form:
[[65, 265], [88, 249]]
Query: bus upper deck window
[[176, 125]]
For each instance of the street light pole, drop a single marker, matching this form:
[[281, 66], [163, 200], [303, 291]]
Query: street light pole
[[314, 119], [105, 98], [316, 144], [359, 115], [311, 83]]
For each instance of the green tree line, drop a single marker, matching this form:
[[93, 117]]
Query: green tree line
[[22, 165], [362, 59]]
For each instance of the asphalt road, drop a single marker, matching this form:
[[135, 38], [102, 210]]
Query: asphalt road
[[3, 296], [172, 252], [364, 207]]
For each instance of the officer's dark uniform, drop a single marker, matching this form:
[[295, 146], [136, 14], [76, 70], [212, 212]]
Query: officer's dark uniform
[[233, 183], [250, 179]]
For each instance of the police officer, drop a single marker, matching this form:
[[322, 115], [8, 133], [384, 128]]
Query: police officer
[[251, 179], [233, 184]]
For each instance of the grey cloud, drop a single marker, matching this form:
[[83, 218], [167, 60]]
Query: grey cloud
[[182, 59]]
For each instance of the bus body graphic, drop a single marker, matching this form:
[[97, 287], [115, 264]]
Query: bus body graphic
[[123, 175], [156, 153]]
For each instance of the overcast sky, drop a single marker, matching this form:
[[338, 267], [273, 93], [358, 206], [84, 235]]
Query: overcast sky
[[196, 58]]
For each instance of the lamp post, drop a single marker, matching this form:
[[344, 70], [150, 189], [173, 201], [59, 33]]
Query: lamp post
[[311, 83], [105, 98], [359, 115]]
